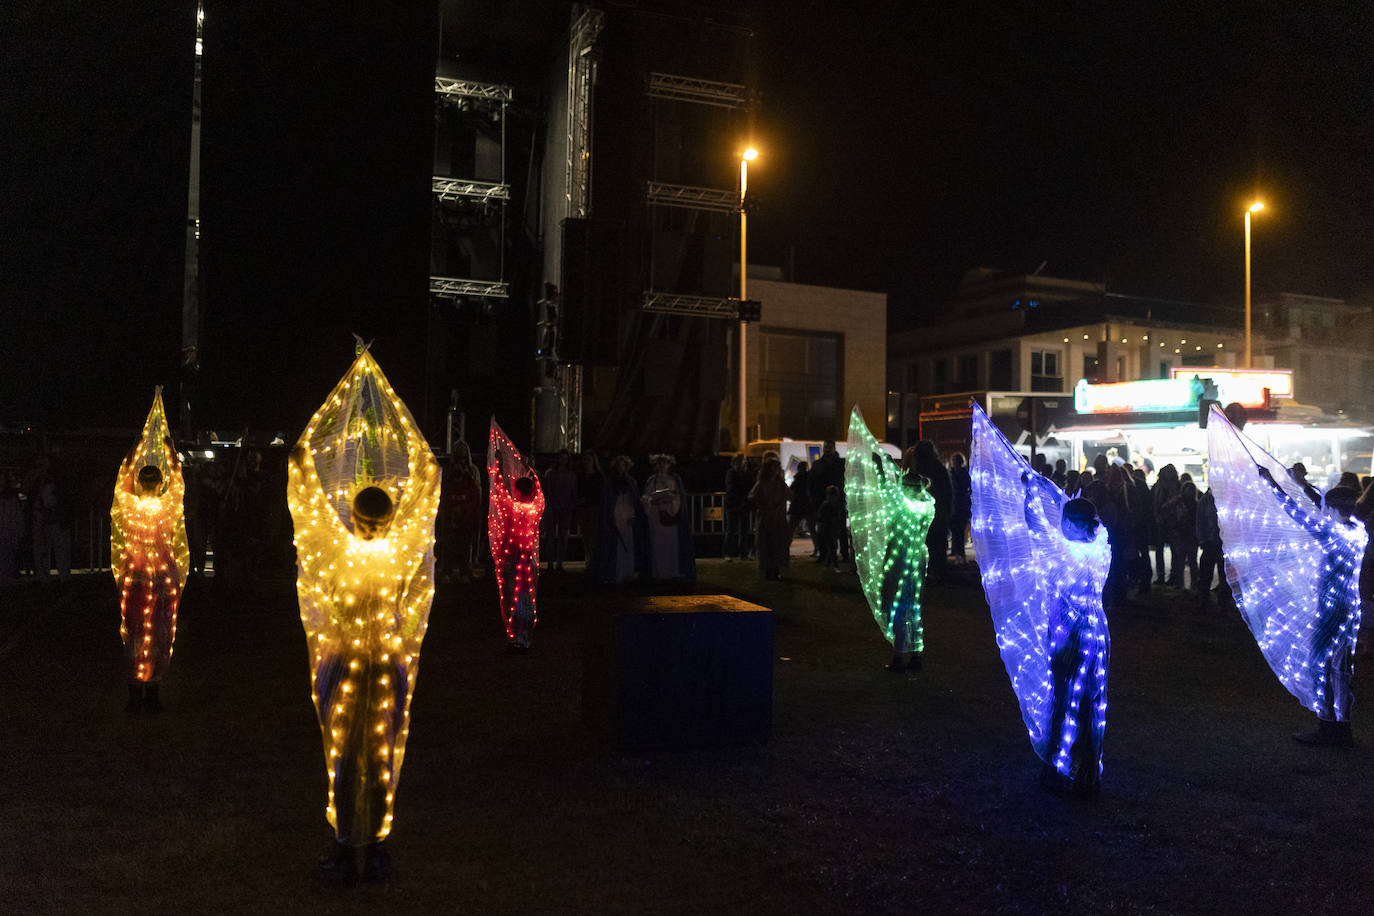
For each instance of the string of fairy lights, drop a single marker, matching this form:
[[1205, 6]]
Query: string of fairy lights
[[364, 602], [513, 530], [888, 522], [150, 555], [1294, 569], [1179, 346]]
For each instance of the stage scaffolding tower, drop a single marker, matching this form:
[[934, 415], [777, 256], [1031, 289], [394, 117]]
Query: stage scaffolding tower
[[567, 376]]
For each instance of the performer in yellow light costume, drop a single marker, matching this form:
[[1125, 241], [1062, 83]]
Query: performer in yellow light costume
[[149, 555], [363, 490]]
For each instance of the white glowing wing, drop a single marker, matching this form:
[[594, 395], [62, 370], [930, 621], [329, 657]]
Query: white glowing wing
[[1016, 566], [1274, 562]]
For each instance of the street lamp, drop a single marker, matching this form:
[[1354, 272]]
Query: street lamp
[[1254, 208], [749, 155]]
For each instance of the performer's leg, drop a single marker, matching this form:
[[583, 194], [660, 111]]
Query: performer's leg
[[363, 706]]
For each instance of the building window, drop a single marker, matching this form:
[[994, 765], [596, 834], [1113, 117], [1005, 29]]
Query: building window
[[1045, 372], [938, 376], [800, 383], [999, 371], [1092, 369], [967, 379]]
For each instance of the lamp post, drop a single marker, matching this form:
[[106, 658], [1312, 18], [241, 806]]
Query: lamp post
[[1254, 208], [746, 157]]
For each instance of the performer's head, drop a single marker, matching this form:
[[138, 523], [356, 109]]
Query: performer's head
[[1341, 500], [524, 489], [373, 511], [149, 479], [1079, 520]]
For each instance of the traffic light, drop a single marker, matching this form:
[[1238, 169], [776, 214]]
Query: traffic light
[[749, 309]]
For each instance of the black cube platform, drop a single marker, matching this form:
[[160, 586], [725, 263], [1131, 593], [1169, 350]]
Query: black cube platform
[[679, 671]]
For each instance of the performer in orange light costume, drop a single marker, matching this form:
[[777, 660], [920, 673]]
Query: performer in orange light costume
[[149, 555]]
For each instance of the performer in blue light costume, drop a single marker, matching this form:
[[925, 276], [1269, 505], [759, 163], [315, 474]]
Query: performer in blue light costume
[[1295, 572], [889, 515], [1044, 560]]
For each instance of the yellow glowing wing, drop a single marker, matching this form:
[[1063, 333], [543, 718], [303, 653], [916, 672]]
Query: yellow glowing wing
[[154, 448], [361, 436]]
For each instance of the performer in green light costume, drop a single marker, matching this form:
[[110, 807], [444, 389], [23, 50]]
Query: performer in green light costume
[[889, 515]]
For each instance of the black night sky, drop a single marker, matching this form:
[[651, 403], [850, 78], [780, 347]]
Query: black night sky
[[903, 143]]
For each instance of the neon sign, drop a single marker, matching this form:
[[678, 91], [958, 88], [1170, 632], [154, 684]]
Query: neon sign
[[1245, 386], [1156, 395]]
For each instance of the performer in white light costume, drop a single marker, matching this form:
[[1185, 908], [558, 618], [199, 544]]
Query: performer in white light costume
[[1295, 572], [1044, 559]]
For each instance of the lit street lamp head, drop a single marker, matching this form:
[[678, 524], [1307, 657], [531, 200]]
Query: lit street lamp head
[[1256, 207], [751, 154]]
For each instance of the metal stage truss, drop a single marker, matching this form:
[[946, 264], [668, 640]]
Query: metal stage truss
[[690, 89], [455, 288], [455, 189], [693, 198], [701, 306], [473, 90]]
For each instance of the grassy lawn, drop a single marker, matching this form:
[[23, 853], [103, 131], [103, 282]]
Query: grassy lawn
[[878, 793]]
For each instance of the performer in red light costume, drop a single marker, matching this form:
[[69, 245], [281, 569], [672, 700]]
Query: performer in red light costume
[[149, 555], [516, 504]]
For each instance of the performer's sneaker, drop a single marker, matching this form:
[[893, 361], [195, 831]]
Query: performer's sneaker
[[339, 867], [1327, 734], [377, 863]]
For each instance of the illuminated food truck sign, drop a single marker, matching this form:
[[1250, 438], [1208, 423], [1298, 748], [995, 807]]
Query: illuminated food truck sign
[[1244, 386], [1156, 395]]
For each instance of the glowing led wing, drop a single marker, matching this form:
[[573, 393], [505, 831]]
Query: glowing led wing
[[363, 435], [1017, 563], [888, 525], [149, 553], [505, 465], [513, 530], [1281, 556], [364, 594]]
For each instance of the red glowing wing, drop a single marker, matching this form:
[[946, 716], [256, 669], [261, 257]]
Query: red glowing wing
[[505, 465]]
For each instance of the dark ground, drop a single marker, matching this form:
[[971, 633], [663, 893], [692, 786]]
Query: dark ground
[[878, 793]]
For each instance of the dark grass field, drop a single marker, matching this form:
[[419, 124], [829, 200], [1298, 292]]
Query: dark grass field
[[878, 793]]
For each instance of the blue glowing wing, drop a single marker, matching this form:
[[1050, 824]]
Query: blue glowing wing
[[1278, 546], [888, 526], [1016, 516]]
